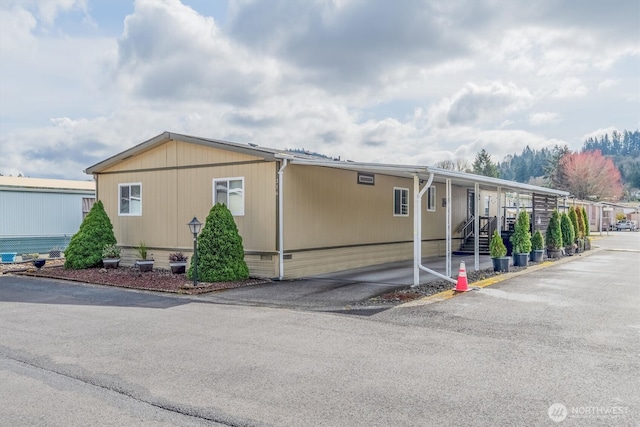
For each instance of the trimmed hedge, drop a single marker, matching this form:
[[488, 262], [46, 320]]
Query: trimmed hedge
[[568, 233], [553, 236], [85, 247], [220, 251]]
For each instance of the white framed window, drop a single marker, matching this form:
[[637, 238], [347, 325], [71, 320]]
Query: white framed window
[[487, 204], [431, 199], [400, 201], [130, 199], [230, 191]]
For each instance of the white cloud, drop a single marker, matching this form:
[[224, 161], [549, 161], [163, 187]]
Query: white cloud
[[369, 81], [539, 119], [608, 83]]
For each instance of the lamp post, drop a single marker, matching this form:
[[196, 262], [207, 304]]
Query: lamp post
[[194, 227]]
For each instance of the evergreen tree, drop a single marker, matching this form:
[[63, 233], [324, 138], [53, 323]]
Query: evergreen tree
[[521, 237], [483, 165], [568, 233], [220, 251], [574, 222], [585, 219], [553, 236], [85, 247]]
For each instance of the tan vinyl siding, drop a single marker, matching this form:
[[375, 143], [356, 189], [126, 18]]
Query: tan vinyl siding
[[173, 194], [327, 208]]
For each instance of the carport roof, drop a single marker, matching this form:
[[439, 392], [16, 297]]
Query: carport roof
[[439, 175]]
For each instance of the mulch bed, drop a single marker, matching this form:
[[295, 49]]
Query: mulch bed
[[130, 277]]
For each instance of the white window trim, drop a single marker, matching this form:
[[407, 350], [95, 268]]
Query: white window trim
[[236, 178], [394, 202], [129, 184], [431, 199]]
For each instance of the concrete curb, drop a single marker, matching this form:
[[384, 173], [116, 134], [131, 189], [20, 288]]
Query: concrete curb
[[445, 295]]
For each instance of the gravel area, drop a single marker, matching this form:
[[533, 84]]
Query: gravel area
[[126, 277], [412, 293]]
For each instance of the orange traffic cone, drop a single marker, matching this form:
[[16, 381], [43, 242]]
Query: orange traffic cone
[[462, 285]]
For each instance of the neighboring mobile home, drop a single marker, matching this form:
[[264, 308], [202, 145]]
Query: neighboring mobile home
[[297, 214], [40, 214]]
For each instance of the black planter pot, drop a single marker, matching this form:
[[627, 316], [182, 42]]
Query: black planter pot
[[39, 263], [110, 262], [144, 265], [501, 264], [536, 255], [554, 253], [520, 260], [178, 267]]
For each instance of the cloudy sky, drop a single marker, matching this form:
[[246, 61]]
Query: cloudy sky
[[408, 81]]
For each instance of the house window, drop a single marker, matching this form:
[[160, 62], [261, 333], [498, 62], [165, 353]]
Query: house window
[[230, 191], [487, 203], [400, 201], [431, 199], [130, 201]]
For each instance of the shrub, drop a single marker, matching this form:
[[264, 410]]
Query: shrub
[[574, 222], [220, 251], [85, 247], [111, 251], [537, 243], [142, 249], [568, 234], [553, 237], [177, 257], [585, 219], [580, 219], [497, 248], [521, 238]]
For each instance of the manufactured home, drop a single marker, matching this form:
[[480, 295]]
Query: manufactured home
[[300, 214], [41, 214]]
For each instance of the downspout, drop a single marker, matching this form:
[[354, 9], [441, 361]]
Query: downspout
[[285, 163]]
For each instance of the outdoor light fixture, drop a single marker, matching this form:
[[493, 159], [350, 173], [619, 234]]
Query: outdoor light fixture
[[194, 227]]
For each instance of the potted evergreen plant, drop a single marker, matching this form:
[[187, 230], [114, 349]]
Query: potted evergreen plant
[[110, 256], [177, 262], [521, 240], [143, 263], [553, 237], [568, 234], [498, 252], [587, 232], [537, 247]]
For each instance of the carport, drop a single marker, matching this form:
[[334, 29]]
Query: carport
[[545, 200]]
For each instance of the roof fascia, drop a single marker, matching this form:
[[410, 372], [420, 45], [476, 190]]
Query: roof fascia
[[168, 136]]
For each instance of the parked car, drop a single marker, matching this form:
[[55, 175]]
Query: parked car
[[625, 224]]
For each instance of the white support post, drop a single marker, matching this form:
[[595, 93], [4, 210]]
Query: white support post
[[476, 227], [500, 212], [417, 229], [281, 219], [448, 227]]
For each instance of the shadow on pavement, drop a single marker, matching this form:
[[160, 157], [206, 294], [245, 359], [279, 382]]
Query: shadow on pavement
[[47, 291]]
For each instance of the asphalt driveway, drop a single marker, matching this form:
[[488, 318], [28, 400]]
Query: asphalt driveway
[[336, 291]]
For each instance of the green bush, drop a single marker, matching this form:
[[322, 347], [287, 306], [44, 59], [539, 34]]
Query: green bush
[[521, 238], [574, 222], [537, 243], [220, 251], [553, 237], [568, 233], [85, 247], [497, 249], [585, 219]]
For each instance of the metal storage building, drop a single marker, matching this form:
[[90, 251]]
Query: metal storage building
[[37, 215]]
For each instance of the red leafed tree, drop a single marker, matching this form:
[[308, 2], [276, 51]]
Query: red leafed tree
[[590, 176]]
